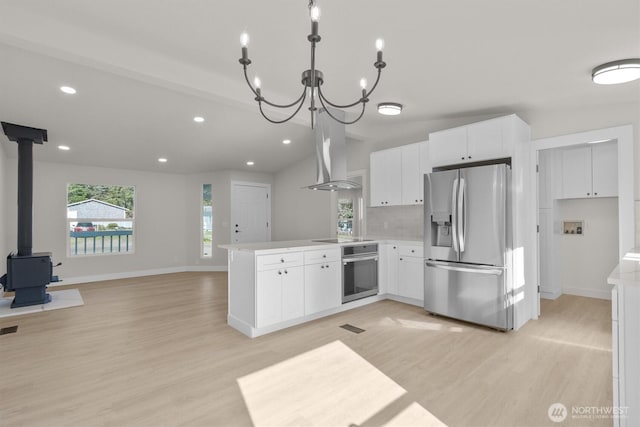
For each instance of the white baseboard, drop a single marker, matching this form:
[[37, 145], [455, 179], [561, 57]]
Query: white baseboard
[[130, 274], [405, 300], [207, 268], [591, 293]]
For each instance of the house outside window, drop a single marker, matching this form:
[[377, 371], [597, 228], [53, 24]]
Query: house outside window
[[100, 219]]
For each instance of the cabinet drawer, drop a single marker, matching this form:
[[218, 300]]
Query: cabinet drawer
[[414, 251], [290, 259], [321, 255]]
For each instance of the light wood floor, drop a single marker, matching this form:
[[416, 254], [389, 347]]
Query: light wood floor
[[156, 351]]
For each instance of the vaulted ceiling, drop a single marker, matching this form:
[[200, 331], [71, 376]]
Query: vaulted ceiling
[[143, 69]]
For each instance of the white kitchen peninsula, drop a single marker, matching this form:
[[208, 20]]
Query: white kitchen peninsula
[[625, 300], [274, 285]]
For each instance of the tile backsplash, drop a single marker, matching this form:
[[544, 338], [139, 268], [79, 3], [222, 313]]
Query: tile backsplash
[[396, 222]]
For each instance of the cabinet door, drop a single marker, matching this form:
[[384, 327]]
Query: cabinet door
[[410, 277], [448, 146], [388, 269], [604, 160], [411, 194], [322, 287], [292, 293], [386, 177], [484, 141], [268, 297], [576, 173]]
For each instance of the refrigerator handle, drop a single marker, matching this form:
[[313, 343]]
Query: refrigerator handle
[[461, 214], [454, 216]]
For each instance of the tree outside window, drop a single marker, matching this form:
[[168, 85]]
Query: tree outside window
[[345, 218]]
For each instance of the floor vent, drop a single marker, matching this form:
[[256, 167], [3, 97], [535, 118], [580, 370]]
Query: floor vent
[[9, 330], [352, 328]]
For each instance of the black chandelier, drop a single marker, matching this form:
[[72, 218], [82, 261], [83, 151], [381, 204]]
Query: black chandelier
[[312, 79]]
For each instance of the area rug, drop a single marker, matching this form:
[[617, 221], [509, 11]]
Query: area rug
[[59, 299]]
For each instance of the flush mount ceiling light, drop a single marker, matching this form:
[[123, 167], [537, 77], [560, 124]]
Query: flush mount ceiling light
[[198, 119], [162, 160], [616, 72], [389, 108], [250, 163], [286, 141], [68, 90], [312, 79]]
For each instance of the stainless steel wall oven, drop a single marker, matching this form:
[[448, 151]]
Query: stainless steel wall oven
[[359, 271]]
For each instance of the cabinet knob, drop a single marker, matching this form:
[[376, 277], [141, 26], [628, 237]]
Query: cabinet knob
[[462, 158], [327, 266], [469, 157], [281, 259], [595, 194], [588, 194], [324, 256], [286, 272], [413, 251], [400, 259], [394, 247], [322, 266], [280, 272]]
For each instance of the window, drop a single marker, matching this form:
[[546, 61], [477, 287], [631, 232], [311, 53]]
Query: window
[[345, 218], [207, 222], [100, 219]]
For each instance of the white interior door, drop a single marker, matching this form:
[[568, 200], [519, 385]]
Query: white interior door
[[250, 212]]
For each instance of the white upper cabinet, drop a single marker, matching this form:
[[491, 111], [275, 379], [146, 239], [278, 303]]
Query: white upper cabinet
[[485, 140], [397, 175], [604, 159], [415, 164], [590, 171], [448, 146], [386, 177]]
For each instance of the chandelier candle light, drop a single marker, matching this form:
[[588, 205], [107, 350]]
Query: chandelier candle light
[[312, 79]]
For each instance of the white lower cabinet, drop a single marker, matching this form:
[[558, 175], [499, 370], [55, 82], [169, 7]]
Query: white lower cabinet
[[410, 277], [279, 295], [322, 288], [410, 272], [401, 271]]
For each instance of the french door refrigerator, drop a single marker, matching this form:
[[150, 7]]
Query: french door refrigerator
[[467, 245]]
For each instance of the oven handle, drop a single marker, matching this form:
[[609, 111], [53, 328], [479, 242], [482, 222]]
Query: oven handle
[[359, 258]]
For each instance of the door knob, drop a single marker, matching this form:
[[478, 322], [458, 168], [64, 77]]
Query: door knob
[[237, 231]]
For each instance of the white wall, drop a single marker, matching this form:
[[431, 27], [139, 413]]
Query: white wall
[[221, 211], [160, 227], [300, 213], [585, 261]]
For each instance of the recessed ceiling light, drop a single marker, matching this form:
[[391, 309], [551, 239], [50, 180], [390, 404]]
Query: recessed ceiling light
[[616, 72], [162, 160], [64, 147], [389, 108], [198, 119], [250, 163], [68, 90], [286, 141]]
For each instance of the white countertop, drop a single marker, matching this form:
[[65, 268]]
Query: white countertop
[[289, 245], [627, 273]]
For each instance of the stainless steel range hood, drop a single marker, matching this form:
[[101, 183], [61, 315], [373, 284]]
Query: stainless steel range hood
[[331, 153]]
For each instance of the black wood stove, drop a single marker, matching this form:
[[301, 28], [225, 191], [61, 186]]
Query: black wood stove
[[28, 273]]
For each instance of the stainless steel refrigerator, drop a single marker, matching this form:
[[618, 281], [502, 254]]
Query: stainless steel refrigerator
[[467, 245]]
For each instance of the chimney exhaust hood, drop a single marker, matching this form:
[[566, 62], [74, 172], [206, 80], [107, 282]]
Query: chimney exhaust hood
[[331, 153]]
